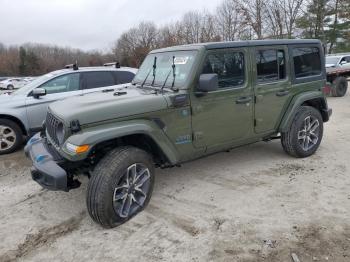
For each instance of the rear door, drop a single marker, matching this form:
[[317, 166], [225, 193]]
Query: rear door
[[97, 80], [58, 88], [272, 86]]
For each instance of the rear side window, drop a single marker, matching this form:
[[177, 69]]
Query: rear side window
[[124, 77], [229, 66], [307, 61], [98, 79], [271, 65]]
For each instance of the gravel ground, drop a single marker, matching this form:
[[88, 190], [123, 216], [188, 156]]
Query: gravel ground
[[254, 203]]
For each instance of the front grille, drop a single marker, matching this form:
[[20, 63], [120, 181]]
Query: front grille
[[54, 153], [51, 127]]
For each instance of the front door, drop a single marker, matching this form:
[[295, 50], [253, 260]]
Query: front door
[[225, 115], [57, 89], [272, 86]]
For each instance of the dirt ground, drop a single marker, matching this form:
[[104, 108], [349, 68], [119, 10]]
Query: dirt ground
[[254, 203]]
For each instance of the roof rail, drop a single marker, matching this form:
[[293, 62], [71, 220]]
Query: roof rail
[[116, 64], [74, 66]]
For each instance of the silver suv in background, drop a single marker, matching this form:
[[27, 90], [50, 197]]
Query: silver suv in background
[[23, 111]]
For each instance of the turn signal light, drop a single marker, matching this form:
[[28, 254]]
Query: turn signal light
[[82, 149], [77, 149]]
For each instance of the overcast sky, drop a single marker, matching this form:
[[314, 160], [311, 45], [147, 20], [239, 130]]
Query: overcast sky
[[85, 24]]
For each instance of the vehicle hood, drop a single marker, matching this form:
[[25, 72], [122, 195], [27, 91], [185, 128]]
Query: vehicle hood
[[10, 101], [102, 106], [330, 65]]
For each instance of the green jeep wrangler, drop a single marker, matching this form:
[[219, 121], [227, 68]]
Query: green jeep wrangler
[[185, 102]]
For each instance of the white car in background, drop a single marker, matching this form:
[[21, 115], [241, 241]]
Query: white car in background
[[338, 61], [13, 83]]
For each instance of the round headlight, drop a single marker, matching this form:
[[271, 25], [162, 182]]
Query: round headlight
[[60, 133]]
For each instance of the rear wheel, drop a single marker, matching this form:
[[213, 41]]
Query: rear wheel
[[340, 87], [305, 133], [11, 137], [120, 187], [10, 87]]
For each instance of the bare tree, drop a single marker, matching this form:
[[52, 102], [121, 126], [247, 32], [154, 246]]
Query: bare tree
[[253, 12], [209, 30], [134, 45], [192, 25], [230, 20], [274, 19], [291, 11]]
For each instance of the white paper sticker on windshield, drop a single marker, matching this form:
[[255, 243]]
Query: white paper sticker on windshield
[[181, 60]]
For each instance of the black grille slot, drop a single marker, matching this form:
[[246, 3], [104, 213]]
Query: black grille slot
[[51, 126]]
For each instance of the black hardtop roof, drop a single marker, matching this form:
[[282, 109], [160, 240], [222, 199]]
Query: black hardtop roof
[[219, 45]]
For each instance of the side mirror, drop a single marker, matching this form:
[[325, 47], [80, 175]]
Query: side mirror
[[343, 62], [38, 92], [207, 83]]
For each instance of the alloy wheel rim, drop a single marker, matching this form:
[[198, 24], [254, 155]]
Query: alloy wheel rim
[[7, 137], [131, 191], [308, 135]]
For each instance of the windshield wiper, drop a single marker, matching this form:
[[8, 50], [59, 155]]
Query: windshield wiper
[[167, 77], [154, 70], [144, 81], [166, 80], [174, 72]]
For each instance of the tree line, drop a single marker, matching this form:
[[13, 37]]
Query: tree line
[[38, 59], [327, 20]]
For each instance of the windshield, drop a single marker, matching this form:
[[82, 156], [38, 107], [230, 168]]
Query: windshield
[[161, 66], [332, 60], [35, 83]]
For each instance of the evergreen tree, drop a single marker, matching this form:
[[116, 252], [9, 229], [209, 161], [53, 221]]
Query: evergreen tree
[[327, 20], [23, 59]]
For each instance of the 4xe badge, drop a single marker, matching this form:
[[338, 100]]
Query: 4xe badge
[[185, 139]]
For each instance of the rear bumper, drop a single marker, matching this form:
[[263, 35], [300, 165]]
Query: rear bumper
[[45, 170]]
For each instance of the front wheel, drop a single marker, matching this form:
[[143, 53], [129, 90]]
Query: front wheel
[[10, 87], [120, 187], [11, 137], [305, 133]]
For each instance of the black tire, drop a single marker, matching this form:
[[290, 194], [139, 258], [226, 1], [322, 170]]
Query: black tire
[[5, 127], [340, 87], [297, 139], [10, 87], [108, 176]]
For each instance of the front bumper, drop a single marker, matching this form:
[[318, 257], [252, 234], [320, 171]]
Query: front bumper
[[326, 114], [45, 170]]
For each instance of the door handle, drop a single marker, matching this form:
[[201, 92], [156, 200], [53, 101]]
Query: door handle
[[282, 93], [243, 100]]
